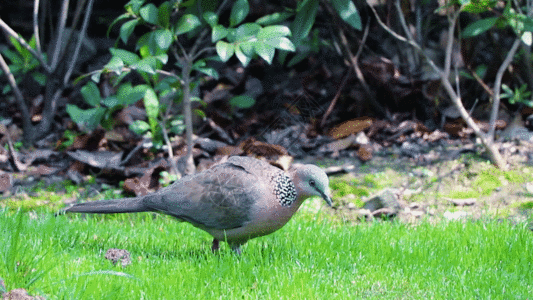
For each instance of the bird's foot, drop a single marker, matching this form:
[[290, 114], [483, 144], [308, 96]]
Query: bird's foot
[[216, 245], [236, 249]]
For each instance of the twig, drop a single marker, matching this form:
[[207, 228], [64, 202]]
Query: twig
[[354, 62], [58, 46], [403, 39], [480, 81], [26, 118], [81, 37], [37, 54], [497, 87], [36, 26], [173, 165], [337, 95]]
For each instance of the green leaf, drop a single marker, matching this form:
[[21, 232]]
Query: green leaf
[[115, 65], [133, 6], [200, 113], [245, 32], [118, 19], [39, 77], [147, 65], [348, 12], [304, 20], [128, 95], [163, 38], [91, 94], [96, 76], [163, 14], [127, 57], [87, 119], [247, 48], [479, 27], [225, 50], [139, 127], [163, 58], [273, 32], [111, 101], [243, 57], [242, 101], [281, 43], [151, 103], [219, 32], [127, 29], [199, 100], [201, 66], [149, 13], [477, 6], [187, 23], [274, 18], [211, 18], [265, 51], [239, 11]]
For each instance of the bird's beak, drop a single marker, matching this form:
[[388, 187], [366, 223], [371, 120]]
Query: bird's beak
[[326, 196]]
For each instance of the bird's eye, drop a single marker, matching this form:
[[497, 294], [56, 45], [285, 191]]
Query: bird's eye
[[312, 182]]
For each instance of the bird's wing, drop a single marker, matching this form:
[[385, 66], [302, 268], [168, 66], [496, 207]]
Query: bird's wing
[[221, 197]]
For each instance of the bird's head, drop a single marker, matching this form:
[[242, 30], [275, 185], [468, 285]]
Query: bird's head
[[310, 180]]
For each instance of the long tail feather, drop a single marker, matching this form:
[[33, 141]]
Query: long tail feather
[[124, 205]]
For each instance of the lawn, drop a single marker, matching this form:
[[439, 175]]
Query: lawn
[[313, 257]]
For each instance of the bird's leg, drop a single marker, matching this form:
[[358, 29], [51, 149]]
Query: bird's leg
[[236, 248], [216, 245]]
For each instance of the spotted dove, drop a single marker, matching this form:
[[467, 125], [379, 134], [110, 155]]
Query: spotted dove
[[234, 201]]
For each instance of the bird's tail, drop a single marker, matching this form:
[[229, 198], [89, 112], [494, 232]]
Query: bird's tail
[[124, 205]]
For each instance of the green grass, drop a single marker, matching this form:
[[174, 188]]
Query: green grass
[[310, 258]]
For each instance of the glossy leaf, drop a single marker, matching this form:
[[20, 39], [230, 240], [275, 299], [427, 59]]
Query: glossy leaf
[[87, 119], [111, 101], [225, 50], [273, 31], [115, 65], [348, 12], [128, 95], [151, 104], [274, 18], [245, 32], [146, 65], [187, 23], [118, 19], [239, 11], [265, 51], [281, 43], [304, 20], [126, 56], [149, 13], [219, 32], [201, 66], [134, 6], [247, 48], [163, 38], [139, 127], [127, 29], [245, 59], [479, 27], [91, 94], [163, 14], [211, 18]]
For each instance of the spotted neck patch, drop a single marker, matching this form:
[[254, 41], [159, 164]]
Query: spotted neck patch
[[284, 189]]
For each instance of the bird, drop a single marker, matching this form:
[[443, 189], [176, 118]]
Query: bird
[[234, 201]]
